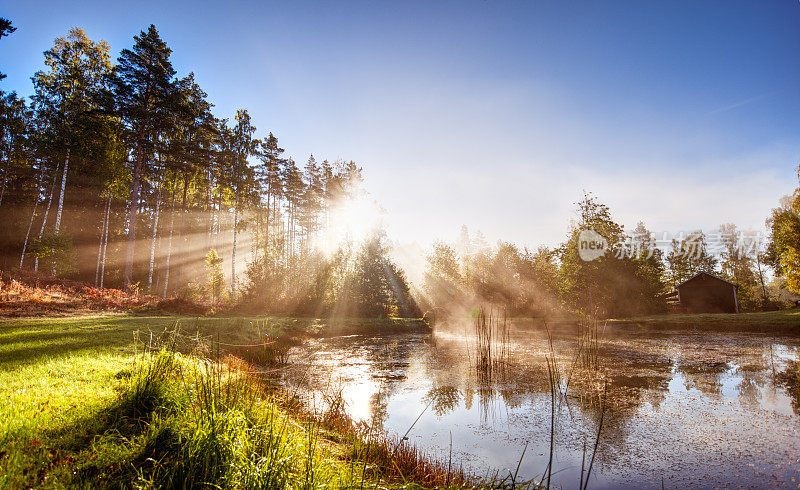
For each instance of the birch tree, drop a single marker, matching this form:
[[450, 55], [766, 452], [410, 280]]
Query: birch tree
[[77, 68]]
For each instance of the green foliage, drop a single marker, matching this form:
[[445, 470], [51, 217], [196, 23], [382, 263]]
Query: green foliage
[[216, 278], [144, 135], [374, 286], [443, 280], [64, 93], [619, 283], [55, 253], [191, 291], [519, 281], [783, 249], [626, 280], [738, 265]]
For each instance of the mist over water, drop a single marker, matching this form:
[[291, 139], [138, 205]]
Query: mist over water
[[686, 408]]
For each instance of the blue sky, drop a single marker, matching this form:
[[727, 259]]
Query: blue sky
[[494, 114]]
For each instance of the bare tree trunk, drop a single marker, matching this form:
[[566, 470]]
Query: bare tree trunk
[[105, 241], [233, 257], [211, 224], [28, 233], [100, 247], [219, 221], [169, 242], [211, 215], [254, 239], [3, 189], [761, 277], [266, 231], [153, 244], [61, 195], [46, 212], [181, 245], [132, 214]]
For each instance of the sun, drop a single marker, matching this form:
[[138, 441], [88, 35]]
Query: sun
[[351, 221]]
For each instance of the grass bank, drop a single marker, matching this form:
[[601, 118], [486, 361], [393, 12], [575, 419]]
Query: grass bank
[[93, 402], [784, 321]]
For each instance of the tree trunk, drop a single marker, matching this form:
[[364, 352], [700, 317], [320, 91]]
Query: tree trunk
[[100, 247], [61, 195], [46, 212], [153, 244], [28, 233], [3, 189], [181, 243], [169, 242], [105, 241], [761, 277], [211, 219], [132, 215], [233, 256]]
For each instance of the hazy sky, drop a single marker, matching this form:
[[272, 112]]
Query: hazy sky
[[494, 114]]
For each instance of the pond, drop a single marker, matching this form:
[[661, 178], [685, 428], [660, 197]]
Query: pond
[[700, 409]]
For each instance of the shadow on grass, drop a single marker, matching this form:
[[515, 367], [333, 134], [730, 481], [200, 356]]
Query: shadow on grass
[[32, 347], [98, 447]]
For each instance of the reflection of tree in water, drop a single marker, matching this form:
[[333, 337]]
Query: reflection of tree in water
[[379, 406], [633, 374], [443, 399], [703, 375], [790, 379], [749, 388]]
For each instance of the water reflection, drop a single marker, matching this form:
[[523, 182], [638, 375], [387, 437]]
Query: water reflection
[[691, 408]]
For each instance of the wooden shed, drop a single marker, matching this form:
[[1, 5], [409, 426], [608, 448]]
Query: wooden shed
[[707, 293]]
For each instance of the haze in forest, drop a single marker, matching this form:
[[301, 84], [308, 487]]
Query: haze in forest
[[491, 114]]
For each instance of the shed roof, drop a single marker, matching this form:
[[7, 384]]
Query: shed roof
[[709, 275]]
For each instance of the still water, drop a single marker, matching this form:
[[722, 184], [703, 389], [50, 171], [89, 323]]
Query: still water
[[680, 409]]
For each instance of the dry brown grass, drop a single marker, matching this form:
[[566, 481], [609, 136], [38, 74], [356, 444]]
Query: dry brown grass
[[31, 294]]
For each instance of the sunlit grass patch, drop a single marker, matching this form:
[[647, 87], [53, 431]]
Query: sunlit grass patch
[[169, 420], [47, 405]]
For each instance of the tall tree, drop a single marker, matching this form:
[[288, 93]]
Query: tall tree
[[585, 283], [269, 176], [65, 94], [737, 263], [243, 145], [144, 96]]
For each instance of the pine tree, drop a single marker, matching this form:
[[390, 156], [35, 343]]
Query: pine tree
[[270, 177], [243, 145], [144, 96]]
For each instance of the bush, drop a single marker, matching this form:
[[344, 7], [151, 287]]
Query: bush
[[56, 253]]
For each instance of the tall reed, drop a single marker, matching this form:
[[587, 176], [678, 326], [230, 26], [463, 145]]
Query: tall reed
[[492, 344]]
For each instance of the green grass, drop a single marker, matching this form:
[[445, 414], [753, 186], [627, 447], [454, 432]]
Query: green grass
[[86, 404], [787, 321], [32, 340]]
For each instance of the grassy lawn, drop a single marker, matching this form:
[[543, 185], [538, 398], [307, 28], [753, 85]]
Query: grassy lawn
[[784, 321], [83, 405]]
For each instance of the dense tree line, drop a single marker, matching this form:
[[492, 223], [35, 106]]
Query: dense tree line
[[632, 277], [118, 173]]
